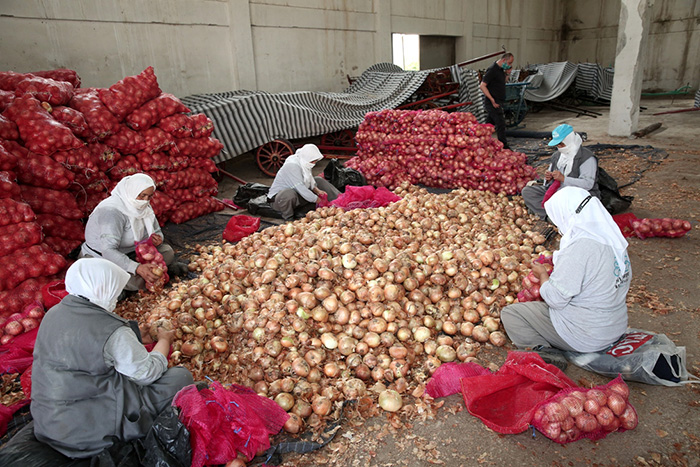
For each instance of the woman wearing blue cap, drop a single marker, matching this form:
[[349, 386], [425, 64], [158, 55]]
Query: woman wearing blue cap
[[571, 165]]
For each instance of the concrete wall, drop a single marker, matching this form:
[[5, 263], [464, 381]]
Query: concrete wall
[[589, 34], [199, 46]]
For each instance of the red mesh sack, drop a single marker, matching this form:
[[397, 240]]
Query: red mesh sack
[[204, 164], [99, 119], [156, 140], [161, 203], [40, 132], [624, 222], [666, 227], [364, 197], [14, 212], [550, 191], [155, 161], [88, 200], [14, 326], [91, 181], [8, 128], [6, 98], [60, 74], [239, 227], [104, 156], [160, 177], [10, 79], [593, 413], [130, 93], [202, 126], [147, 253], [224, 422], [13, 301], [45, 89], [179, 162], [34, 261], [506, 400], [73, 119], [62, 246], [178, 125], [8, 160], [53, 292], [155, 110], [43, 171], [17, 236], [192, 193], [57, 226], [126, 165], [8, 185], [530, 291], [190, 177], [447, 378], [46, 200], [76, 159], [126, 141], [199, 147], [194, 209]]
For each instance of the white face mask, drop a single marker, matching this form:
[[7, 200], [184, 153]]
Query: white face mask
[[140, 204]]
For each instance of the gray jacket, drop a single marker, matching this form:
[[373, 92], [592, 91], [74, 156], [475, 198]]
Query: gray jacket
[[586, 179]]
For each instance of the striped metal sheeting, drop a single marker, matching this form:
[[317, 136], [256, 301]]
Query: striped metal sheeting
[[245, 120], [697, 99], [556, 78], [595, 81]]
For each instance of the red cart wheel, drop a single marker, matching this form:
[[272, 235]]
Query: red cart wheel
[[341, 139], [270, 156]]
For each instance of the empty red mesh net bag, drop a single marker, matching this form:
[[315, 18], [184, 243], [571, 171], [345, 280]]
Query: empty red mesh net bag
[[506, 400], [226, 421], [240, 226]]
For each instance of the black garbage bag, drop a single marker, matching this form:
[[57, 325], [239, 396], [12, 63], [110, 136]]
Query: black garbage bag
[[167, 444], [340, 176], [249, 191], [610, 195]]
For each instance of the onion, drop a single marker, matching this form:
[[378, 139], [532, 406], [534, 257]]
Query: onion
[[555, 412], [390, 400], [628, 419], [573, 404], [294, 424], [597, 395], [446, 353], [285, 400], [321, 405], [591, 406], [620, 388], [605, 416], [616, 403], [586, 422], [480, 334], [498, 339], [552, 430]]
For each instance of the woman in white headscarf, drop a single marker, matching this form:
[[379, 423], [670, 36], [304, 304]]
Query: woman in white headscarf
[[584, 306], [295, 186], [121, 220], [570, 165], [93, 381]]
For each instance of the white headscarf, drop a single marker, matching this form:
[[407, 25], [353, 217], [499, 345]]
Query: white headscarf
[[573, 143], [306, 156], [139, 212], [592, 222], [98, 280]]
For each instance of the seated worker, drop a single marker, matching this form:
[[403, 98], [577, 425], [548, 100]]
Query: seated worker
[[122, 219], [295, 186], [571, 165], [584, 307], [93, 382]]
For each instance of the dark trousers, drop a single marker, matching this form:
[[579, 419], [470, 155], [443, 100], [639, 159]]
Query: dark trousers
[[495, 117]]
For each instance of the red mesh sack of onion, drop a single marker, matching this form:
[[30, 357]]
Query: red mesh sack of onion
[[147, 253], [19, 323], [646, 228], [576, 413], [531, 283]]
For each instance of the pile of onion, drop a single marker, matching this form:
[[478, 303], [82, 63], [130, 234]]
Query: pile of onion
[[344, 305], [437, 149], [586, 413]]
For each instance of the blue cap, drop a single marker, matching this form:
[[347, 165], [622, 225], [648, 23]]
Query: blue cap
[[559, 133]]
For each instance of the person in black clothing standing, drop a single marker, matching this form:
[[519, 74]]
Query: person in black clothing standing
[[493, 85]]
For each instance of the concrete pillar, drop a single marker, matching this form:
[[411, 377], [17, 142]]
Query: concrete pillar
[[241, 34], [632, 35], [382, 32], [464, 45]]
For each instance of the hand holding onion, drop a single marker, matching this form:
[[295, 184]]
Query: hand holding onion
[[541, 271], [149, 272], [156, 239]]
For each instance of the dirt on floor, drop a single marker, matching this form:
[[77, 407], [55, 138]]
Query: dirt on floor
[[664, 298]]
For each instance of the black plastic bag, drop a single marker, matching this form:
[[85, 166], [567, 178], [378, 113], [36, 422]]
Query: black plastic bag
[[24, 450], [610, 195], [260, 206], [340, 176], [249, 191], [167, 443]]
